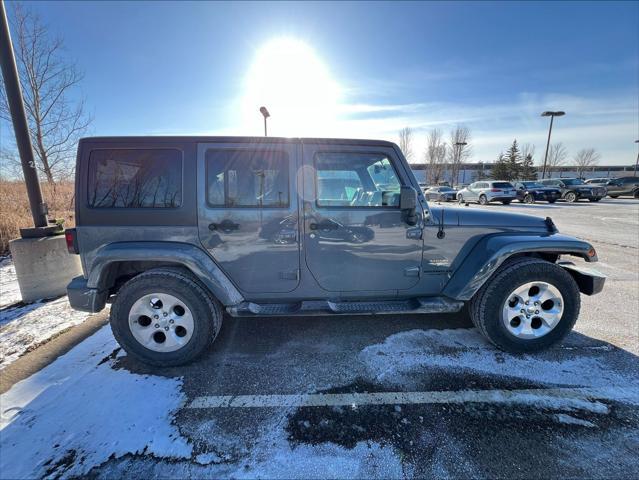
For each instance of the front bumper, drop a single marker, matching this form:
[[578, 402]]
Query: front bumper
[[84, 298], [589, 280]]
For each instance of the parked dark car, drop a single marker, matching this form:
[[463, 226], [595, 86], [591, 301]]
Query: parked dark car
[[531, 192], [617, 187], [174, 231], [441, 194], [575, 189]]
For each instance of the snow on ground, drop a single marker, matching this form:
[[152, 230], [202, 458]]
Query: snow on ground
[[9, 290], [24, 327], [79, 411]]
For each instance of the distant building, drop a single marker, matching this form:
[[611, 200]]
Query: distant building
[[471, 172]]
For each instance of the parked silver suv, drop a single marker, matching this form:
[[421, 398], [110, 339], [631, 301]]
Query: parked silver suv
[[488, 191]]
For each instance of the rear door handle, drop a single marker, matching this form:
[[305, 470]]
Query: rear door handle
[[225, 226], [326, 225]]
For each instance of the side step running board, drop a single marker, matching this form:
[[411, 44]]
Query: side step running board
[[324, 307]]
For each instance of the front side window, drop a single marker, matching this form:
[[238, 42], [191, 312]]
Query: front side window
[[135, 178], [247, 178], [356, 180]]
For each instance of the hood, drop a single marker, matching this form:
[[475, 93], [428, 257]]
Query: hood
[[467, 216]]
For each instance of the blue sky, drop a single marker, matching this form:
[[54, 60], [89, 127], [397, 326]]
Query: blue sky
[[361, 69]]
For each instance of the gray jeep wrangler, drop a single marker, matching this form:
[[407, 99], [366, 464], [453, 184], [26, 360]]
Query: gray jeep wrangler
[[176, 230]]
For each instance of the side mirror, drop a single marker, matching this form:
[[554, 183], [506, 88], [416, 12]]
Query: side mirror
[[408, 203]]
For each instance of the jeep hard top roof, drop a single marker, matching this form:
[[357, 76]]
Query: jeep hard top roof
[[215, 139]]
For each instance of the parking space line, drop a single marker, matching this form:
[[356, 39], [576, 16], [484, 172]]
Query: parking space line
[[552, 397]]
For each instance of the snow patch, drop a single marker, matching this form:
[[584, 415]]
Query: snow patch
[[77, 412], [23, 328], [9, 289], [570, 420]]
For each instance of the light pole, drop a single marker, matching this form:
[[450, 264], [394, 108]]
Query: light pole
[[459, 146], [552, 116], [265, 114], [637, 162]]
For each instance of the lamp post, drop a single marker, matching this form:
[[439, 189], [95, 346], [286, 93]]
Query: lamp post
[[265, 114], [552, 116], [459, 146], [637, 162]]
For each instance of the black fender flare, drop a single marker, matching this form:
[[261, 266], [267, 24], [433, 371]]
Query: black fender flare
[[195, 259], [492, 251]]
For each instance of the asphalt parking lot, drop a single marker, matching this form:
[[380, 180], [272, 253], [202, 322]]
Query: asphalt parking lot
[[383, 396]]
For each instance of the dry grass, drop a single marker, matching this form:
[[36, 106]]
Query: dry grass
[[15, 212]]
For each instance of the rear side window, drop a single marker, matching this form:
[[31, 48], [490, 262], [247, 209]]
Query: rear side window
[[247, 178], [502, 185], [135, 178]]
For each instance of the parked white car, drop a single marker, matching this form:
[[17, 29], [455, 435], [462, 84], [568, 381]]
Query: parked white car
[[488, 191]]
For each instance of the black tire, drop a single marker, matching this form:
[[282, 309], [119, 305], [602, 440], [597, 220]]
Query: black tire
[[552, 201], [594, 199], [485, 306], [636, 194], [206, 311], [460, 199], [529, 198], [506, 202], [571, 197], [483, 200], [613, 196]]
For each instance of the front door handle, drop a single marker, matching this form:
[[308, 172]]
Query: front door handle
[[225, 226], [325, 225]]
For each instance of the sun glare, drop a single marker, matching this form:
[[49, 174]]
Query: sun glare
[[294, 84]]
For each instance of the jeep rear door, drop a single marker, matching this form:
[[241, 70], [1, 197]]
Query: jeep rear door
[[355, 237], [248, 212]]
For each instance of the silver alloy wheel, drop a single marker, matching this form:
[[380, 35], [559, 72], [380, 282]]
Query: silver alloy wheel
[[483, 200], [532, 310], [161, 322], [571, 197]]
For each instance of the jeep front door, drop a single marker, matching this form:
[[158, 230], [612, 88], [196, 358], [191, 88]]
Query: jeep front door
[[247, 213], [356, 238]]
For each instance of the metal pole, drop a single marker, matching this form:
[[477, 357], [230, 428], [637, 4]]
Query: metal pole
[[543, 171], [20, 126], [265, 134], [637, 162]]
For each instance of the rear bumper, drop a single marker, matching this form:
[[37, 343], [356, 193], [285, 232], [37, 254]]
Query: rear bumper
[[84, 298], [589, 280]]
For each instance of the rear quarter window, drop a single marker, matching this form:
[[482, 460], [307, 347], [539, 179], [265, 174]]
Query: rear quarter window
[[135, 178]]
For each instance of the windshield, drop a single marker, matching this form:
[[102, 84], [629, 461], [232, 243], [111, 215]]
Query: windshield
[[532, 185], [573, 181]]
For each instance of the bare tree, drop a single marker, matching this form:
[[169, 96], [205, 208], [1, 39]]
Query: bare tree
[[406, 142], [459, 150], [557, 155], [57, 119], [435, 155], [585, 159]]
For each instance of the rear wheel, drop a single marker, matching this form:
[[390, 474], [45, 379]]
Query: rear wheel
[[506, 202], [483, 200], [527, 305], [570, 197], [529, 198], [164, 317]]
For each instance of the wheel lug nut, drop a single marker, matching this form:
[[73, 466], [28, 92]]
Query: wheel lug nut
[[166, 328], [536, 311], [156, 317], [527, 302], [157, 325], [523, 311], [171, 321], [164, 314]]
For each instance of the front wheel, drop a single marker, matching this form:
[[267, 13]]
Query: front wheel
[[460, 199], [506, 202], [163, 317], [527, 305], [529, 198], [483, 200], [570, 197]]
